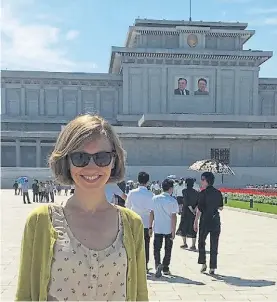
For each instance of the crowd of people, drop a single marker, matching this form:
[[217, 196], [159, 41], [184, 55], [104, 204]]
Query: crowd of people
[[95, 244], [158, 211], [42, 191]]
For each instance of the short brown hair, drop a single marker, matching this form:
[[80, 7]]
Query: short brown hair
[[84, 128]]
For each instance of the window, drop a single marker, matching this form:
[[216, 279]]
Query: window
[[222, 155], [4, 140], [48, 141]]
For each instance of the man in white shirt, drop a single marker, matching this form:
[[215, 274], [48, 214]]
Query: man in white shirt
[[112, 189], [164, 215], [140, 201]]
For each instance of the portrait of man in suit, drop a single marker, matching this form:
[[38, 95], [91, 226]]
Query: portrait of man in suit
[[182, 85], [202, 87]]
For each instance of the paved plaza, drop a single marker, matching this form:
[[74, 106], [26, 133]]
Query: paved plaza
[[247, 259]]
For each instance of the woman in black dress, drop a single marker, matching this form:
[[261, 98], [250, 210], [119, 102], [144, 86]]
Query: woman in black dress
[[190, 201]]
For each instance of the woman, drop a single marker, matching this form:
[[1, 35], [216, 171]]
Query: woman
[[178, 192], [190, 200], [210, 201], [86, 248]]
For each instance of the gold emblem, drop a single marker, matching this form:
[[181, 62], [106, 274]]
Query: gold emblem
[[192, 40]]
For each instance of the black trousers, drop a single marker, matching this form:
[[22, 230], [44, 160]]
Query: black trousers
[[158, 243], [46, 196], [52, 196], [146, 244], [40, 194], [26, 195], [213, 228], [35, 197]]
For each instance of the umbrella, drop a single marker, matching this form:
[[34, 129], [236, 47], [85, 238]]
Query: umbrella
[[171, 177], [22, 179], [211, 165]]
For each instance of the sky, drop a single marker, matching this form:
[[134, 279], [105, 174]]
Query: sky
[[77, 36]]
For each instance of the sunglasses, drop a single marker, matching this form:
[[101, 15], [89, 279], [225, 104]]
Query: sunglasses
[[101, 159]]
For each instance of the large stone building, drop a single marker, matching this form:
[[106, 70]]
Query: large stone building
[[177, 92]]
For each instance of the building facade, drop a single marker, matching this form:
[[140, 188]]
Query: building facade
[[176, 92]]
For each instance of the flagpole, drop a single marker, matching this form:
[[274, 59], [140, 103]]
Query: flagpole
[[189, 10]]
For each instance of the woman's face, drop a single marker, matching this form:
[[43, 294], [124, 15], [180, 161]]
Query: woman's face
[[204, 182], [92, 176]]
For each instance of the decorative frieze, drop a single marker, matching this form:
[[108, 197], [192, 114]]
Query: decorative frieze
[[10, 81], [63, 82], [172, 55], [206, 31], [178, 61], [268, 87]]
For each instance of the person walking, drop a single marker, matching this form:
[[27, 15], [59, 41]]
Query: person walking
[[47, 191], [111, 190], [164, 216], [190, 201], [20, 189], [84, 249], [15, 187], [43, 192], [52, 191], [25, 191], [35, 188], [210, 202], [179, 186], [140, 201]]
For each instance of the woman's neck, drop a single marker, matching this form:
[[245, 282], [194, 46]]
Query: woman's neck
[[92, 201]]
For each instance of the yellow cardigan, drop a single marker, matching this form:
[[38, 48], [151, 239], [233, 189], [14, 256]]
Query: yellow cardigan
[[37, 252]]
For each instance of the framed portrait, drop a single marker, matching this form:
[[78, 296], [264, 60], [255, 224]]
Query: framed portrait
[[181, 85], [201, 86]]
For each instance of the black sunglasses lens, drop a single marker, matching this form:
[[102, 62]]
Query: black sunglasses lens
[[102, 159], [80, 159]]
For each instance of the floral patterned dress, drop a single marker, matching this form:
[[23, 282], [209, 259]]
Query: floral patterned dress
[[79, 273]]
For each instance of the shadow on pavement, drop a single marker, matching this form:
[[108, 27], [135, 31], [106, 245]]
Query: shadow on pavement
[[173, 279], [237, 281], [194, 251]]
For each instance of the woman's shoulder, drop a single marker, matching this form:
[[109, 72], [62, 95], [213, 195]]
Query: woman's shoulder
[[40, 213], [130, 215]]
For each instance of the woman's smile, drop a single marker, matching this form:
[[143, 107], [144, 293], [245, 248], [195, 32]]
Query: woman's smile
[[91, 178]]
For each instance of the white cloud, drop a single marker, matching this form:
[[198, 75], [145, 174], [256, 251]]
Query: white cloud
[[262, 11], [270, 21], [71, 35], [34, 46], [47, 17]]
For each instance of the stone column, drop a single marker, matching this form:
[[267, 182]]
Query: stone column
[[218, 90], [163, 105], [145, 91], [79, 101], [38, 152], [98, 101], [3, 100], [125, 89], [22, 101], [17, 152], [182, 39], [237, 92], [255, 94], [275, 109], [237, 43], [60, 102], [41, 101]]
